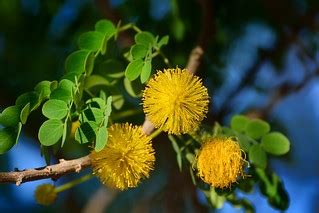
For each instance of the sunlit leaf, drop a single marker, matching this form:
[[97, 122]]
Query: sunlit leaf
[[134, 69], [145, 38], [138, 51], [239, 122], [257, 128], [50, 132], [77, 61], [10, 116], [275, 143], [146, 71], [91, 41], [25, 113], [101, 139]]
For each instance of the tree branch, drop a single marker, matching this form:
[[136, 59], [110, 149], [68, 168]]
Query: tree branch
[[54, 171]]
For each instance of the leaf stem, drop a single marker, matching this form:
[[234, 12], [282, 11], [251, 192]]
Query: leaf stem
[[156, 133], [73, 183]]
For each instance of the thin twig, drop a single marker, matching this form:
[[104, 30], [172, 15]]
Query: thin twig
[[54, 171]]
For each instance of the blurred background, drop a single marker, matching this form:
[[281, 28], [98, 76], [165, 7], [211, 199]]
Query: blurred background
[[261, 59]]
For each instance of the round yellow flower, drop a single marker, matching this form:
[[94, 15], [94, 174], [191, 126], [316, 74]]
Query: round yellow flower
[[45, 194], [126, 159], [220, 162], [176, 101]]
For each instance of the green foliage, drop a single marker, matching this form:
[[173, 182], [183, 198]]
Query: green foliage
[[51, 132], [55, 109], [275, 143], [258, 156], [257, 128]]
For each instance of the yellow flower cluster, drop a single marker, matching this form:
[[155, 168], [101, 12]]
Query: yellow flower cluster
[[127, 158], [175, 101], [220, 162]]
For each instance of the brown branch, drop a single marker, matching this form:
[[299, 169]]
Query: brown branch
[[54, 171]]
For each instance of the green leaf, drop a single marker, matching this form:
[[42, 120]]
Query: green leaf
[[214, 199], [10, 116], [43, 88], [118, 101], [97, 80], [29, 97], [55, 109], [133, 88], [63, 91], [134, 69], [96, 102], [61, 94], [92, 114], [239, 122], [146, 71], [77, 62], [145, 38], [258, 156], [106, 27], [91, 41], [275, 143], [138, 51], [257, 128], [108, 108], [25, 113], [9, 137], [86, 132], [67, 85], [272, 187], [101, 139], [50, 132], [163, 41]]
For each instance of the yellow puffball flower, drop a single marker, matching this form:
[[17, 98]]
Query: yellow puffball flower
[[126, 159], [176, 101], [220, 162], [45, 194]]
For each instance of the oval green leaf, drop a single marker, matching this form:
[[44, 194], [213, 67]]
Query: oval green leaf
[[10, 116], [138, 51], [257, 156], [50, 132], [239, 122], [43, 88], [91, 41], [101, 139], [163, 41], [106, 27], [145, 38], [275, 143], [257, 128], [146, 71], [76, 62], [55, 109], [25, 113], [134, 69], [8, 137]]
